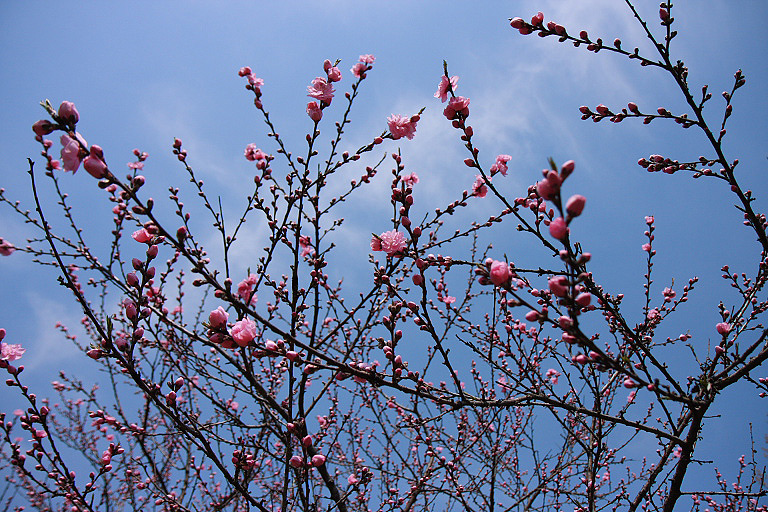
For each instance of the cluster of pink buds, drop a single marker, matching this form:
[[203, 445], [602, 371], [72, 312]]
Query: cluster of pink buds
[[254, 84], [245, 460], [656, 163], [364, 65], [549, 189], [495, 272]]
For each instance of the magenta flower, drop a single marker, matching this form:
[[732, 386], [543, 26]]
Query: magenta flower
[[68, 113], [244, 331], [9, 352], [6, 247], [499, 273], [321, 90], [391, 242], [444, 86], [314, 112], [401, 126]]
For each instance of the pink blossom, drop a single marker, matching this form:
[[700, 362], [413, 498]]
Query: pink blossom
[[367, 58], [552, 375], [457, 105], [575, 205], [358, 70], [94, 163], [401, 126], [6, 248], [500, 165], [70, 153], [723, 328], [649, 219], [253, 153], [296, 461], [391, 242], [218, 318], [558, 228], [245, 288], [478, 187], [410, 179], [68, 113], [245, 71], [321, 90], [499, 272], [647, 247], [255, 83], [444, 86], [448, 300], [318, 460], [314, 112], [142, 236], [244, 331], [305, 243], [334, 74], [549, 187], [352, 479], [558, 285], [9, 352]]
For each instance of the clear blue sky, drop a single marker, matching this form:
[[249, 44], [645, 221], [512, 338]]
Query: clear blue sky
[[142, 73]]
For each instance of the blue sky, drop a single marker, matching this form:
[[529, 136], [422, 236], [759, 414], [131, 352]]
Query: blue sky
[[142, 73]]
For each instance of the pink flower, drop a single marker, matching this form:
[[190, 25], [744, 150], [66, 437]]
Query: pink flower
[[478, 187], [70, 153], [245, 71], [391, 242], [401, 126], [647, 247], [244, 331], [142, 236], [305, 243], [558, 228], [499, 272], [723, 328], [68, 113], [457, 105], [575, 205], [255, 83], [314, 112], [367, 58], [649, 219], [444, 86], [9, 352], [218, 318], [6, 248], [500, 165], [410, 180], [358, 70], [245, 288], [334, 74], [552, 375], [321, 90], [252, 153]]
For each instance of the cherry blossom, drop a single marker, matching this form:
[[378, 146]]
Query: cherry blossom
[[444, 86], [10, 352], [391, 242], [401, 126], [321, 90], [244, 331]]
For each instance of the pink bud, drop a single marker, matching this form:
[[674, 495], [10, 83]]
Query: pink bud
[[218, 318], [558, 228], [723, 328], [575, 205], [558, 285], [499, 273], [532, 316], [42, 127], [95, 167], [68, 113], [296, 461], [318, 460], [567, 168], [583, 299]]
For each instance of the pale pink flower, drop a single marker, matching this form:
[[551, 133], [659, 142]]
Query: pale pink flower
[[358, 70], [244, 331], [443, 87], [401, 126], [70, 153], [314, 112], [448, 300], [367, 58], [255, 82], [334, 74], [142, 236], [321, 90], [305, 243], [499, 272], [253, 153], [457, 105], [352, 479], [218, 318], [136, 165], [6, 248], [501, 165], [391, 242], [410, 180], [9, 352], [478, 187], [68, 113], [245, 288], [552, 375]]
